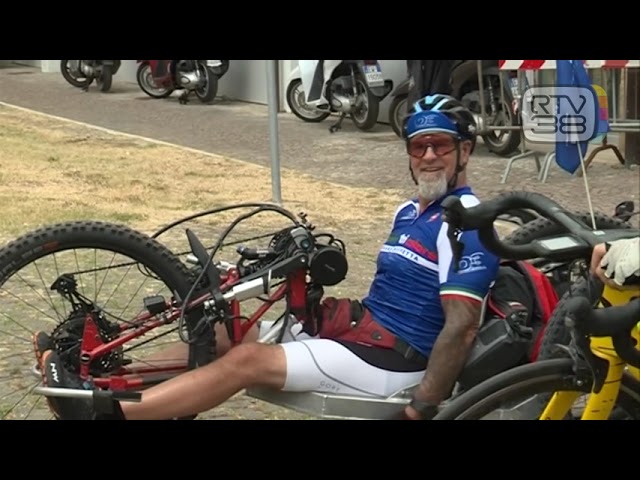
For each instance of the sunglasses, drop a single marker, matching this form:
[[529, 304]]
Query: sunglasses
[[440, 144]]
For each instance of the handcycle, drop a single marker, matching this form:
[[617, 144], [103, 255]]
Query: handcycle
[[94, 338], [601, 361]]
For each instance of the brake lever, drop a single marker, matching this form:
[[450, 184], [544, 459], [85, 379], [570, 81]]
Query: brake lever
[[586, 363], [457, 247], [451, 215]]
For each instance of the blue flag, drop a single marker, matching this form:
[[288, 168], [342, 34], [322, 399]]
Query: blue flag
[[572, 73]]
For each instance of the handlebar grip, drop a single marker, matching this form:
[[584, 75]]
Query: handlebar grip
[[627, 350], [255, 253], [615, 322], [481, 217], [490, 240]]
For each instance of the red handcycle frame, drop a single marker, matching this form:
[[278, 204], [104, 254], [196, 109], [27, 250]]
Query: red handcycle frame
[[294, 289]]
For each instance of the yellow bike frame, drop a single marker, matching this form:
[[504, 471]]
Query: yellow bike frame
[[600, 405]]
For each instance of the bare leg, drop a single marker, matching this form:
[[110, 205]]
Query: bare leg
[[204, 388]]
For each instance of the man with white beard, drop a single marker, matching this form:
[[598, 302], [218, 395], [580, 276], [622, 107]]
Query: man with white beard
[[416, 326], [416, 293]]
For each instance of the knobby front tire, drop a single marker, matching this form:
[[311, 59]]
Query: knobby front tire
[[30, 264], [542, 377]]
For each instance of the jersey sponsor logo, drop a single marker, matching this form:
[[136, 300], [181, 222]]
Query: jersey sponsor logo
[[408, 254], [414, 246], [472, 263], [408, 216]]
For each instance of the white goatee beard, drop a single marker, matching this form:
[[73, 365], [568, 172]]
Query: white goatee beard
[[432, 189]]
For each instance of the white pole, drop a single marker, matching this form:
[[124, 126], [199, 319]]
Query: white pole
[[272, 100]]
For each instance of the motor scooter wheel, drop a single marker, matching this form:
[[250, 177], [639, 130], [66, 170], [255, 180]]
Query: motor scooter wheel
[[208, 92], [73, 78], [397, 112], [147, 85], [365, 118], [105, 79], [295, 101]]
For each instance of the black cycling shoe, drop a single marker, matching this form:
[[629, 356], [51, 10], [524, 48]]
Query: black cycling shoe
[[56, 376]]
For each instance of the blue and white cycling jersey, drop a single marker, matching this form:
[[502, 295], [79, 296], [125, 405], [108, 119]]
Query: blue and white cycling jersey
[[415, 271]]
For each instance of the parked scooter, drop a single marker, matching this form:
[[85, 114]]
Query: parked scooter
[[82, 73], [464, 86], [160, 78], [318, 88]]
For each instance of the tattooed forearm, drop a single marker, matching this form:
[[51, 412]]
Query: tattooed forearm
[[450, 351]]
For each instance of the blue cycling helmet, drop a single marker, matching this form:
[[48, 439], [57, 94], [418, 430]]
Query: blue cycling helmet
[[440, 114]]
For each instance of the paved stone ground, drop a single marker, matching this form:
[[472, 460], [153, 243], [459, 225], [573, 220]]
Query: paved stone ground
[[240, 130]]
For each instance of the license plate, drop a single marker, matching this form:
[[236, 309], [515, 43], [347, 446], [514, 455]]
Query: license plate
[[214, 63], [514, 87], [373, 74]]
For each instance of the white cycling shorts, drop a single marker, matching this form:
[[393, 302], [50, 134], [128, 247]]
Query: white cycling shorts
[[322, 365]]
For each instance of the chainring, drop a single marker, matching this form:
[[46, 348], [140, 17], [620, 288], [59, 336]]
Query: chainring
[[67, 339]]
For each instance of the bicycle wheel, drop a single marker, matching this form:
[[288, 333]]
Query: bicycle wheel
[[558, 272], [114, 268], [524, 391]]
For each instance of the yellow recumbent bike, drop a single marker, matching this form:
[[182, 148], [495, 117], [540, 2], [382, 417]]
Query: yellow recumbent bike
[[600, 365]]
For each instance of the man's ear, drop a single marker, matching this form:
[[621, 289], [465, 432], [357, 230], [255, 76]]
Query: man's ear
[[466, 148], [465, 153]]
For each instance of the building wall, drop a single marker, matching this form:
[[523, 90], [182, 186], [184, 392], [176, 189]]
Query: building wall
[[246, 80], [30, 63]]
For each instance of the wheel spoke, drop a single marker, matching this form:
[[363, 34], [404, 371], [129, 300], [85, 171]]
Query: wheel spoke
[[114, 280]]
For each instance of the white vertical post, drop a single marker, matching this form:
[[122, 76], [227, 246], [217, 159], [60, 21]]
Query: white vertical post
[[272, 100]]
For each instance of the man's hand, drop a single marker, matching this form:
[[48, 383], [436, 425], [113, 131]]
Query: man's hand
[[417, 410], [618, 263], [596, 257], [449, 353]]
